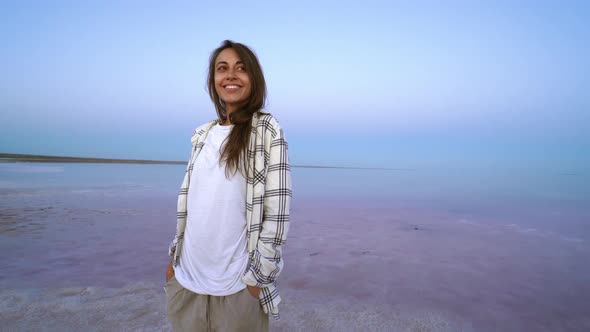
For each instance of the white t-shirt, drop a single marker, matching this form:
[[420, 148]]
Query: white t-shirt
[[214, 253]]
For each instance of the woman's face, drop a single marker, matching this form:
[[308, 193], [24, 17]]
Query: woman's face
[[232, 82]]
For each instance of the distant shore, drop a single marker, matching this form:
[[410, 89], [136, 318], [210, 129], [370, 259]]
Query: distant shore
[[13, 157]]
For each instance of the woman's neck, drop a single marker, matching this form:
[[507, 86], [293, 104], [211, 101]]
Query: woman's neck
[[228, 112]]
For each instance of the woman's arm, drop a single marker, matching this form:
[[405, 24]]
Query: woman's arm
[[266, 263]]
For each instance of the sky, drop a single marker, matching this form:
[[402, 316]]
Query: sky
[[408, 84]]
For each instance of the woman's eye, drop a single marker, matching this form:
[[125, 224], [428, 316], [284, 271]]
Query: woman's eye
[[242, 68], [221, 68]]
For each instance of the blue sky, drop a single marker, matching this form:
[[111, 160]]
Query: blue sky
[[400, 84]]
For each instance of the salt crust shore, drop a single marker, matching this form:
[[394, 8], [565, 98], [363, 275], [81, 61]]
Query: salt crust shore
[[141, 307], [349, 267], [349, 270]]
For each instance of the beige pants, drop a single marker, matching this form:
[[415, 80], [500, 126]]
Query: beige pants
[[188, 311]]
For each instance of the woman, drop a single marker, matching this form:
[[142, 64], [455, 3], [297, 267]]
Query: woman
[[233, 207]]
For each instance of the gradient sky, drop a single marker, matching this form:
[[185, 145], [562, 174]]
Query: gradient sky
[[365, 83]]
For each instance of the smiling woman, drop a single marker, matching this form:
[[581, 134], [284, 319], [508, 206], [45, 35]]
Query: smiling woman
[[233, 207]]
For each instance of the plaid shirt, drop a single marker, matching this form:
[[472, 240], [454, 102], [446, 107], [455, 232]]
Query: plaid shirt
[[268, 198]]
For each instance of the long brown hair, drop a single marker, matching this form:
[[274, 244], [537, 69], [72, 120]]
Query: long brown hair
[[234, 150]]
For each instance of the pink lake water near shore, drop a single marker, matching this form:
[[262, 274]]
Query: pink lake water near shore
[[91, 256]]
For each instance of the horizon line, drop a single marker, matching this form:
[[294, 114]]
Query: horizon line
[[14, 157]]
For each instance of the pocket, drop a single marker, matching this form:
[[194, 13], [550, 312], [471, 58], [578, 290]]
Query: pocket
[[169, 284], [251, 304], [250, 296], [173, 278]]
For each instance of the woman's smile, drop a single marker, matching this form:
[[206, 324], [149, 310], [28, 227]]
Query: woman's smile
[[231, 88]]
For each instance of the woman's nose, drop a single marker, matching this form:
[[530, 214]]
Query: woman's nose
[[230, 75]]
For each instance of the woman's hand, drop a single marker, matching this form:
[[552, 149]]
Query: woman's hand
[[169, 271], [254, 291]]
